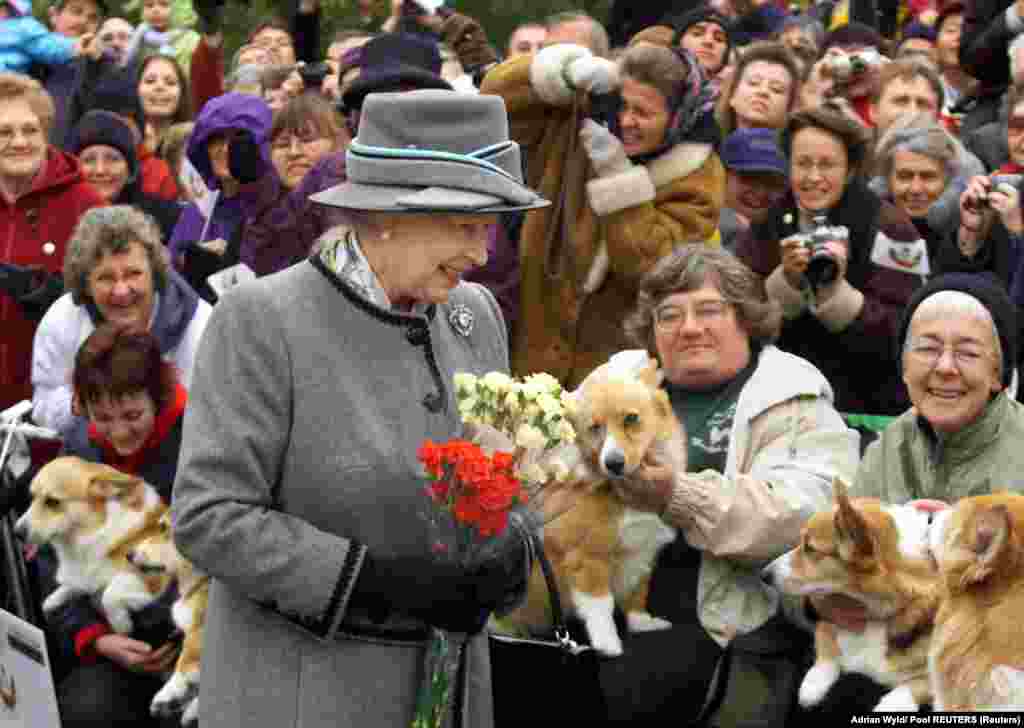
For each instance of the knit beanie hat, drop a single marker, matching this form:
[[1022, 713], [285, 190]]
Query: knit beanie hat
[[108, 129], [990, 292], [917, 29], [117, 91], [854, 33], [703, 14]]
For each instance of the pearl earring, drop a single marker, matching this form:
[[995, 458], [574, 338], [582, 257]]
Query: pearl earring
[[385, 235]]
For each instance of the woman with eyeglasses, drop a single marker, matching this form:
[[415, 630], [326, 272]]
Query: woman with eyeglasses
[[840, 261], [764, 442], [958, 339]]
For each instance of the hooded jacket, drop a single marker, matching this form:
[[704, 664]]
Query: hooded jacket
[[34, 231], [227, 112], [178, 321]]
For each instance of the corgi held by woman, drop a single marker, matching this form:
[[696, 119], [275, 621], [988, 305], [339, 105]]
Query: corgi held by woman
[[88, 511], [878, 555], [157, 555], [976, 661], [602, 551]]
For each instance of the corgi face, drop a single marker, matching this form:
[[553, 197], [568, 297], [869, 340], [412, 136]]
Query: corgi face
[[854, 549], [71, 498], [619, 417], [156, 554], [979, 541]]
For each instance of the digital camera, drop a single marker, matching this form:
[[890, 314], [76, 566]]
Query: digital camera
[[823, 268], [998, 180], [313, 74], [846, 68]]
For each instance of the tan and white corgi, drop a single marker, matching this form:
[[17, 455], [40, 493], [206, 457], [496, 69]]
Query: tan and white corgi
[[88, 512], [157, 555], [878, 555], [603, 552], [976, 661]]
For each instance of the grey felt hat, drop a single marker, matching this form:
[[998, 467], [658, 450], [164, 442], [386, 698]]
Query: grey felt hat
[[433, 151]]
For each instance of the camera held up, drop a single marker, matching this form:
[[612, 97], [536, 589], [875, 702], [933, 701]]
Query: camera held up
[[823, 268]]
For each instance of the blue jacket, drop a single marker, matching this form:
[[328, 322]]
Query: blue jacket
[[25, 41]]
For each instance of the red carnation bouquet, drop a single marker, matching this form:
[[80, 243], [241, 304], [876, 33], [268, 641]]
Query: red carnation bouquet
[[472, 494]]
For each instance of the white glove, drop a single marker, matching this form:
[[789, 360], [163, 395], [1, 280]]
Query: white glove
[[604, 149], [592, 74]]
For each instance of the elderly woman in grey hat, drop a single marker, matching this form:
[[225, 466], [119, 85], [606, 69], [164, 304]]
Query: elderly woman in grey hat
[[298, 488]]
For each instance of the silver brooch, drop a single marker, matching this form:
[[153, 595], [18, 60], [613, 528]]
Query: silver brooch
[[462, 319]]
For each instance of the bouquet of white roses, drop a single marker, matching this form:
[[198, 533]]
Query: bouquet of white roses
[[530, 418]]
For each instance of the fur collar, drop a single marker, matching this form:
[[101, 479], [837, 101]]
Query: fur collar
[[679, 161]]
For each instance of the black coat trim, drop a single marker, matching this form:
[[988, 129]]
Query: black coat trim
[[416, 332]]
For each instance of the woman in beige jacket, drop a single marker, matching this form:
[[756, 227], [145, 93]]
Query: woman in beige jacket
[[764, 443]]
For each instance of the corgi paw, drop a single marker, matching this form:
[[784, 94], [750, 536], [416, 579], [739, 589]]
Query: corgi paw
[[191, 715], [57, 599], [608, 645], [173, 696], [645, 622], [817, 682], [120, 621], [901, 699]]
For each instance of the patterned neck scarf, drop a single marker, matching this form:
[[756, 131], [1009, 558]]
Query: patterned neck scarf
[[344, 256]]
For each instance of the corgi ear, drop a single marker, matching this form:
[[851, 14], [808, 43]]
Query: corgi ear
[[663, 405], [651, 375], [992, 529], [854, 536], [112, 484]]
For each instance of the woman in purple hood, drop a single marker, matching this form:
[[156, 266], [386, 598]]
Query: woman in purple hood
[[207, 238]]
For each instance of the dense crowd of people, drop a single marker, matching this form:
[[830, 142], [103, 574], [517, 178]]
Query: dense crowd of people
[[249, 274]]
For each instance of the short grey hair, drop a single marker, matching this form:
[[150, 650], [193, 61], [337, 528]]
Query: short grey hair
[[104, 230], [920, 134], [597, 37], [956, 304], [1015, 45]]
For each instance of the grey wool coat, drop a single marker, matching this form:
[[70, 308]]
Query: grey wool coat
[[307, 408]]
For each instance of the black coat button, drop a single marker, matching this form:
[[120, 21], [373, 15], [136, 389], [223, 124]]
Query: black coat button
[[417, 335], [433, 402]]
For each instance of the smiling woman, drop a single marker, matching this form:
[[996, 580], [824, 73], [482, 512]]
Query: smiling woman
[[304, 132], [43, 194], [842, 326], [117, 273]]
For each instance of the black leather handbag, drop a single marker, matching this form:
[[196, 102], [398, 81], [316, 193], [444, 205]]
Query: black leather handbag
[[554, 678]]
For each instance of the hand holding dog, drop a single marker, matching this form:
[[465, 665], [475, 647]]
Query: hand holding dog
[[136, 655], [650, 490], [841, 610]]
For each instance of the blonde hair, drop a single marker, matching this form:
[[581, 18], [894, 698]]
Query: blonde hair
[[18, 87]]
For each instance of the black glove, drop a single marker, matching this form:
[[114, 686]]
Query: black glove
[[440, 593], [33, 288], [211, 15], [245, 161]]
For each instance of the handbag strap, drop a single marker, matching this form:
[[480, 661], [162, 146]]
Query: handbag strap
[[558, 617]]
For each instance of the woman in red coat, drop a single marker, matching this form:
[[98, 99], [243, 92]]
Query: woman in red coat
[[42, 195]]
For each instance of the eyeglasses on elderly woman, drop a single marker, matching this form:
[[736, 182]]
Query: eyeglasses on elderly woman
[[671, 317]]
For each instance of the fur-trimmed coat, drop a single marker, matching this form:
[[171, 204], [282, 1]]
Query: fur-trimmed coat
[[640, 215]]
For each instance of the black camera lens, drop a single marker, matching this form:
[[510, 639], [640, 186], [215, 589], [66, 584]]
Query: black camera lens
[[822, 269]]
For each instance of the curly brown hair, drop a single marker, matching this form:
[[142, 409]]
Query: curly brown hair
[[688, 268]]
